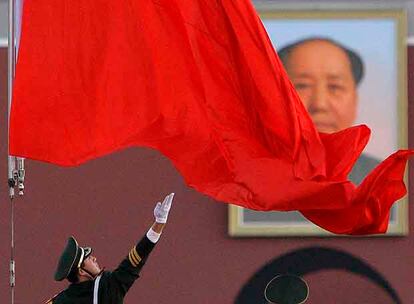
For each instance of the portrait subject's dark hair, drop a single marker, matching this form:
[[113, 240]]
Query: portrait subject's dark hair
[[357, 65]]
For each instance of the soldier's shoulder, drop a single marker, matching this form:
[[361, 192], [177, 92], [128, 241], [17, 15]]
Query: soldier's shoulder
[[54, 299], [51, 300], [106, 273]]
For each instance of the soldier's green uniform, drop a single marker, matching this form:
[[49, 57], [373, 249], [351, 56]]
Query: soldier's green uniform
[[113, 285]]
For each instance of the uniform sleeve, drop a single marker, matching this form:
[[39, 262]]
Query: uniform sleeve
[[128, 270]]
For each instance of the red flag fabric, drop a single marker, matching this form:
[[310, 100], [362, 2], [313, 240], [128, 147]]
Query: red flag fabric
[[199, 81]]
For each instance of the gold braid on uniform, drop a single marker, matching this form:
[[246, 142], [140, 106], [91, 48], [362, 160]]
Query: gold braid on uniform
[[134, 257], [50, 301]]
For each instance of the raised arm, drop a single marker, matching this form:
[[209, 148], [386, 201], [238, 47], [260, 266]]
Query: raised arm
[[128, 270]]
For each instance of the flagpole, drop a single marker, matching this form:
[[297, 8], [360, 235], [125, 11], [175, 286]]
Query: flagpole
[[16, 171], [12, 172]]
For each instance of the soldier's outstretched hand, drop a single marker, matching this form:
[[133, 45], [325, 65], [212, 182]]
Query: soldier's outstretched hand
[[161, 210]]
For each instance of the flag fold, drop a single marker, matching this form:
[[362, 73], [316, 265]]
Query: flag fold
[[200, 82]]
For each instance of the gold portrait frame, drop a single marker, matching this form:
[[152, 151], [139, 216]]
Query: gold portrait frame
[[237, 227]]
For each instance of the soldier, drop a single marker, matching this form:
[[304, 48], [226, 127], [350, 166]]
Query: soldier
[[286, 289], [90, 284]]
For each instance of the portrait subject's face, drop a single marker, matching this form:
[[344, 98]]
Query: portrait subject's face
[[322, 75]]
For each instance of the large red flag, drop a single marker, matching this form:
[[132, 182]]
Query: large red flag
[[199, 81]]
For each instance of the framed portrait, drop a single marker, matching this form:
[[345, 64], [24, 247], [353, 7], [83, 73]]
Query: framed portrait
[[349, 68]]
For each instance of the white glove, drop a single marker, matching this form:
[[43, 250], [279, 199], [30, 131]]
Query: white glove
[[161, 209]]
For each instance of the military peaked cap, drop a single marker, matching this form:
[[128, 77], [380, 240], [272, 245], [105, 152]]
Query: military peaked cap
[[286, 289], [72, 258]]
